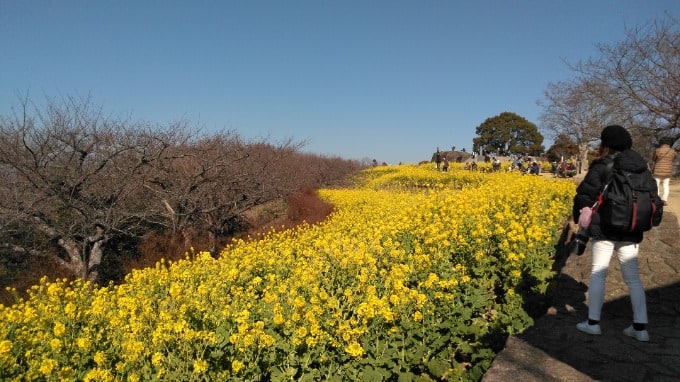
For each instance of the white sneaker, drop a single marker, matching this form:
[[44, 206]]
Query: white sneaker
[[587, 328], [640, 335]]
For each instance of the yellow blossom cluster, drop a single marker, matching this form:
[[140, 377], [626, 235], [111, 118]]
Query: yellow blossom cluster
[[409, 258]]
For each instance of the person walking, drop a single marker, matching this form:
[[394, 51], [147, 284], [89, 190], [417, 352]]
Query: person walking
[[615, 146], [664, 156], [445, 167], [438, 159]]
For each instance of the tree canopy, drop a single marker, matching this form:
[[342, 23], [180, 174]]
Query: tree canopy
[[508, 132], [634, 83], [564, 147]]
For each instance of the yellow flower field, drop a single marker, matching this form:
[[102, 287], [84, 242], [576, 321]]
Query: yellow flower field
[[409, 278]]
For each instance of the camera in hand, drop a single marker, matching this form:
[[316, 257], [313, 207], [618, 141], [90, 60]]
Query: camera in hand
[[579, 241]]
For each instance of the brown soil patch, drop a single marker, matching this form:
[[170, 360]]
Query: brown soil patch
[[304, 206]]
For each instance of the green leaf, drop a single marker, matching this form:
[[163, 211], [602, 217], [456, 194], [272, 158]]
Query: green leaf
[[370, 374], [313, 375], [290, 371], [437, 367], [406, 377], [416, 354]]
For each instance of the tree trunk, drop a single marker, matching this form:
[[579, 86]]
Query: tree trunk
[[583, 156], [212, 242], [96, 255], [75, 263], [82, 260]]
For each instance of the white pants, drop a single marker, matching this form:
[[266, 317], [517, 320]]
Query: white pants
[[627, 255], [666, 183]]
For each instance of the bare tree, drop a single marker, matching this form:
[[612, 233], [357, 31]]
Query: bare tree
[[78, 183], [205, 183], [642, 74], [70, 172], [576, 109]]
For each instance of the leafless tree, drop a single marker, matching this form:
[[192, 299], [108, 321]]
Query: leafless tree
[[70, 179], [642, 74], [78, 183], [204, 183], [576, 109]]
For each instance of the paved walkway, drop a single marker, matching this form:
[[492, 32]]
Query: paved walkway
[[553, 350]]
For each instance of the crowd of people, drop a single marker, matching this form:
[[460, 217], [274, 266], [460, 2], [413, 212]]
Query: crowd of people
[[662, 164]]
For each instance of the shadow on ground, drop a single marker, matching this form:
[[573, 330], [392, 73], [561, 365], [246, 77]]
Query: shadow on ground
[[553, 350]]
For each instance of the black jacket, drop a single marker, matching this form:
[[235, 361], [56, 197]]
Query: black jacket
[[589, 189]]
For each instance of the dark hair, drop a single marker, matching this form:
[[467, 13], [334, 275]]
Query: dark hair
[[666, 141], [603, 151], [616, 137]]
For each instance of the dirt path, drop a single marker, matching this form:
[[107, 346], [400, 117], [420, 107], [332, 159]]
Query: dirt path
[[674, 198]]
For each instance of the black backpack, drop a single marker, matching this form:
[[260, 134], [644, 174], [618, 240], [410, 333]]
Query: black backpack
[[629, 202]]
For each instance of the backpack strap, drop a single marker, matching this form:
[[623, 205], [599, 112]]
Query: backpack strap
[[609, 174], [610, 166]]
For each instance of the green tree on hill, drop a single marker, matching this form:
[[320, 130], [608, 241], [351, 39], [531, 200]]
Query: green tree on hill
[[564, 147], [508, 132]]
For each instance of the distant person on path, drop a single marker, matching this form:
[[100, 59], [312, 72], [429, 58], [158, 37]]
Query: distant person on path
[[496, 165], [445, 167], [535, 169], [438, 158], [664, 156], [615, 146]]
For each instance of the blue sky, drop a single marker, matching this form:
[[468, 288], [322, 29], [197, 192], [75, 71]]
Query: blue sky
[[390, 80]]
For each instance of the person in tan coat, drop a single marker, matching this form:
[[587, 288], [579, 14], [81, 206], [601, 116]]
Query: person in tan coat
[[664, 156]]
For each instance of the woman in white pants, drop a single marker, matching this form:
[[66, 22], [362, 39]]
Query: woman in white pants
[[664, 156], [615, 148]]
